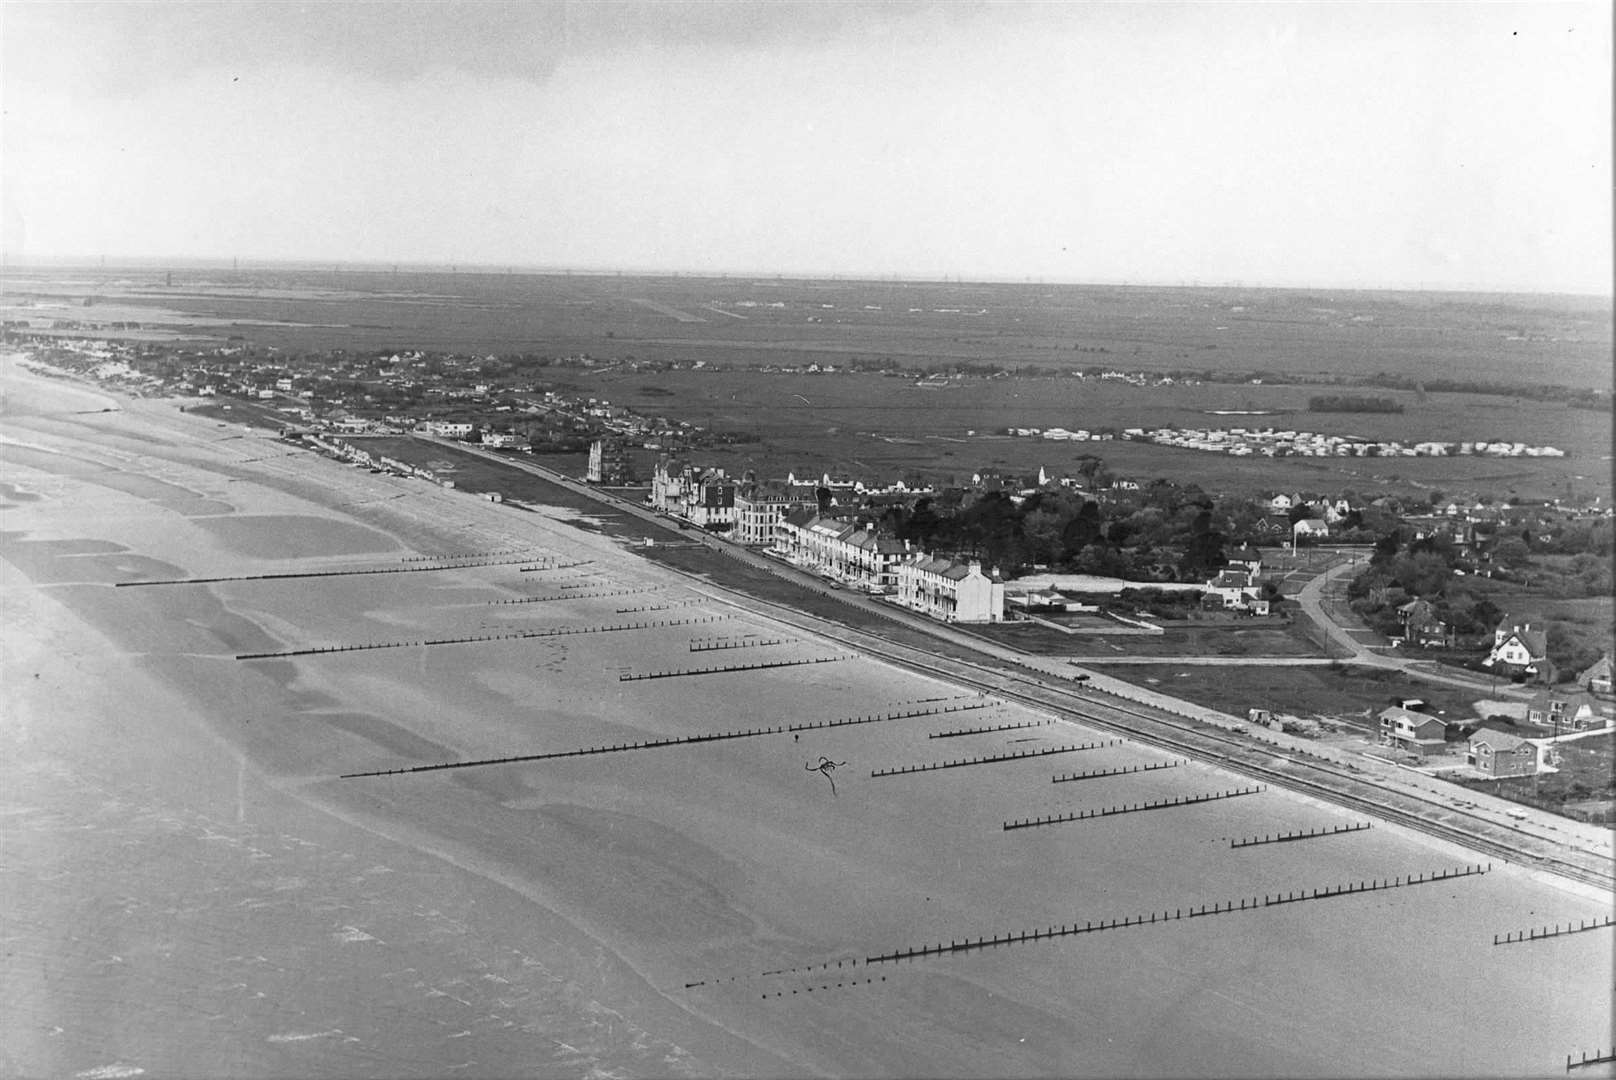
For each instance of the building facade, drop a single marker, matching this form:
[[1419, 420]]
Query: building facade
[[1414, 732], [1499, 754], [950, 591], [704, 497], [760, 514]]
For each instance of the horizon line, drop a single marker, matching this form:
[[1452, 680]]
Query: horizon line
[[245, 263]]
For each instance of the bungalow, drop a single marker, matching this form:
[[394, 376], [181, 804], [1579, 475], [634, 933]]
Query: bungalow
[[450, 429], [1310, 528], [1569, 710], [1415, 732], [1499, 754]]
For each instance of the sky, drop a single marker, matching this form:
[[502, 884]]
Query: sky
[[1409, 144]]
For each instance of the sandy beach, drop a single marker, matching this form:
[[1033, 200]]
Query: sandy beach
[[195, 884]]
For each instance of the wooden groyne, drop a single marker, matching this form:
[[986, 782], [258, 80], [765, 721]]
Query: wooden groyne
[[728, 669], [525, 554], [1300, 834], [928, 708], [1225, 907], [292, 574], [957, 732], [478, 639], [1066, 778], [569, 596], [1601, 1057], [992, 759], [1515, 937], [720, 645], [1131, 808]]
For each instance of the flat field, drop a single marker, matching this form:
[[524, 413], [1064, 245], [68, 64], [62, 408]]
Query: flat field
[[1352, 694], [867, 423], [197, 883], [1246, 638], [1495, 338], [853, 424]]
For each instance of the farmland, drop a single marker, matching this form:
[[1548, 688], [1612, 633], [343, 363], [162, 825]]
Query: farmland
[[860, 423], [1260, 353], [1494, 338]]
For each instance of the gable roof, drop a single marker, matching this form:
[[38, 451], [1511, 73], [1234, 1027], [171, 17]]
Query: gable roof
[[1599, 669], [1411, 718], [1535, 642], [1499, 741]]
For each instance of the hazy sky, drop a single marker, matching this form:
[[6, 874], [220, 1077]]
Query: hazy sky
[[1438, 144]]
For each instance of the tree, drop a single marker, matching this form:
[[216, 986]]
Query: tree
[[1203, 555], [1386, 547], [1513, 553], [1044, 528], [1084, 528]]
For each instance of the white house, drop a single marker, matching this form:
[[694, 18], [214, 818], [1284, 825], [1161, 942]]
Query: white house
[[950, 591]]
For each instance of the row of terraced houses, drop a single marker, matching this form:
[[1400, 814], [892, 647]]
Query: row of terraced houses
[[786, 520]]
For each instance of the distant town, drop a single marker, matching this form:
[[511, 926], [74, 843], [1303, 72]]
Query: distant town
[[884, 534]]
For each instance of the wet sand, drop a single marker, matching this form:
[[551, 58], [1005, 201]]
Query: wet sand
[[190, 888]]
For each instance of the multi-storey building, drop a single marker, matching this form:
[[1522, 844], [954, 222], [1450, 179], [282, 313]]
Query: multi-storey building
[[704, 497], [950, 591], [760, 513], [842, 550]]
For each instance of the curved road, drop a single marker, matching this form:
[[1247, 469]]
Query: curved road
[[1534, 838], [1311, 599]]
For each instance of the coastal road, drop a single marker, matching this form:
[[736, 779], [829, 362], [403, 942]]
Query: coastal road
[[1492, 825], [1312, 601], [1209, 661]]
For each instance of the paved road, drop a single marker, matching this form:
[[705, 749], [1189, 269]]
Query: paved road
[[1474, 813], [1311, 599], [1210, 661]]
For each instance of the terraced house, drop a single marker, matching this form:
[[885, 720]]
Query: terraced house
[[950, 591], [859, 555]]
